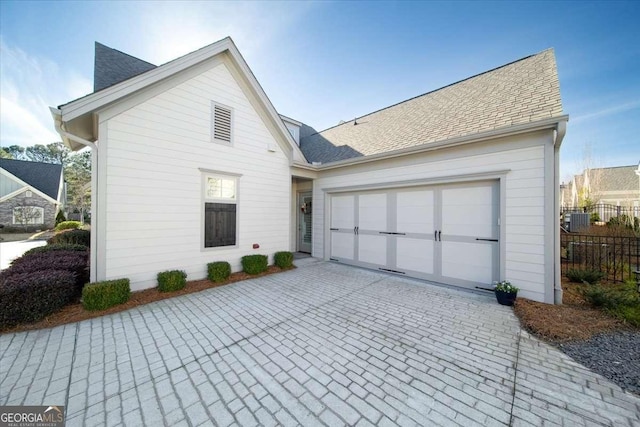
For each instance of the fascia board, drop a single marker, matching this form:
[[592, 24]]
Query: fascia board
[[550, 123], [100, 99]]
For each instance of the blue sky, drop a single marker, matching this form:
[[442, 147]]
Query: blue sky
[[325, 62]]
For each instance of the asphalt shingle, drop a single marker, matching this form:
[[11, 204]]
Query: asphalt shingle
[[41, 176], [112, 66]]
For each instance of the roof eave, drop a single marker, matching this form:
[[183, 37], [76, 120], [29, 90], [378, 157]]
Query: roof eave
[[550, 123]]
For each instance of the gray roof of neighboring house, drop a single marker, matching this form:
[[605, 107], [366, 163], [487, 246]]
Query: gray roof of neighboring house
[[620, 178], [523, 91], [41, 176], [112, 66]]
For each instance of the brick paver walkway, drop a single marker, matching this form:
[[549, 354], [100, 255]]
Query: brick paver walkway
[[321, 345]]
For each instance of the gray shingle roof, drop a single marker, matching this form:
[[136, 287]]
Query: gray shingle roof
[[517, 93], [41, 176], [621, 178], [112, 66]]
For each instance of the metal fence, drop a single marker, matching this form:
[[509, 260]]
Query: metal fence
[[617, 257], [604, 213]]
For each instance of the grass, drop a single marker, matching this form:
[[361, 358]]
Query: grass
[[585, 312]]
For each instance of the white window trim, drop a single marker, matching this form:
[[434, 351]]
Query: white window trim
[[213, 123], [40, 221], [205, 173]]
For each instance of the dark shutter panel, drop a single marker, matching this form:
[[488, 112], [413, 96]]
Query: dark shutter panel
[[219, 225]]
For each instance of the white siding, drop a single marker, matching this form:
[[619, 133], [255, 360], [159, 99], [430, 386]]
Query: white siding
[[523, 205], [154, 152]]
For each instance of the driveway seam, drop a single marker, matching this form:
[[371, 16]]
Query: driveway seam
[[73, 361], [515, 377]]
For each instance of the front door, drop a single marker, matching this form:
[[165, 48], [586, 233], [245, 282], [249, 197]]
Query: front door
[[304, 222]]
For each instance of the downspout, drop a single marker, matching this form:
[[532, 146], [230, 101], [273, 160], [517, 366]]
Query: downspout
[[561, 130], [57, 119]]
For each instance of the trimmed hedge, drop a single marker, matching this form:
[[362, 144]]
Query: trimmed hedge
[[76, 262], [68, 225], [169, 281], [102, 295], [218, 271], [74, 237], [577, 275], [254, 264], [283, 259], [30, 297], [56, 247]]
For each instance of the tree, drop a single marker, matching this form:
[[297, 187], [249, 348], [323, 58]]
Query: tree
[[4, 154], [14, 152], [55, 152], [77, 173]]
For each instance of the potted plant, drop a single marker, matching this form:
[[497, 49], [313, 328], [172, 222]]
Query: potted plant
[[506, 293]]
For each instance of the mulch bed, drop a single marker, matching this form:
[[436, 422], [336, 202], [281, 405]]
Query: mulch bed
[[75, 312], [574, 320]]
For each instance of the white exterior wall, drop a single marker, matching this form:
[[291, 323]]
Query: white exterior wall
[[151, 216], [526, 263]]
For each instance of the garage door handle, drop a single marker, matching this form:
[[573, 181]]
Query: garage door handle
[[334, 229], [440, 235], [392, 233], [487, 240], [435, 235]]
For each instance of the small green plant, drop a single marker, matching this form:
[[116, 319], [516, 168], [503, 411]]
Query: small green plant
[[68, 225], [102, 295], [594, 217], [506, 286], [621, 301], [590, 276], [60, 217], [170, 281], [218, 271], [254, 264], [283, 259]]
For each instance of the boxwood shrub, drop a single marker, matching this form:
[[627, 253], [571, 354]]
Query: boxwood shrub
[[283, 259], [30, 297], [169, 281], [218, 271], [74, 237], [68, 225], [254, 264], [105, 294], [77, 262]]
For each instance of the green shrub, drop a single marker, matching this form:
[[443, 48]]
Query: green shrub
[[594, 217], [254, 264], [102, 295], [68, 225], [283, 259], [621, 301], [578, 275], [73, 237], [56, 247], [169, 281], [218, 271], [60, 217], [30, 297]]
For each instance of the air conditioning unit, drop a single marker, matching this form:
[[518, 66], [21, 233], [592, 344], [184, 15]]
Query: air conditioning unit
[[575, 222], [588, 252]]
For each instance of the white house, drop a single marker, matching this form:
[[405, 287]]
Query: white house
[[192, 164]]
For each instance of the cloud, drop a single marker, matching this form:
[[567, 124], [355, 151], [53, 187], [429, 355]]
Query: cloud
[[620, 108], [30, 84]]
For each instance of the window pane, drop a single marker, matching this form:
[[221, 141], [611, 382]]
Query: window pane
[[214, 187], [228, 189]]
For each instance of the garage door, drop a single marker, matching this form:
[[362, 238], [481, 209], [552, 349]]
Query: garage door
[[447, 234]]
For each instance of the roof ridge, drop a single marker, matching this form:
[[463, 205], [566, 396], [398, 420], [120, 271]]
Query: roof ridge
[[435, 90]]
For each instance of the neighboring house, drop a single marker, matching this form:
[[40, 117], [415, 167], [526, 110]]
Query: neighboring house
[[31, 194], [618, 186], [193, 164]]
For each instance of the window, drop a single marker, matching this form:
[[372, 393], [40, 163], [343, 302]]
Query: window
[[221, 123], [220, 210], [28, 215]]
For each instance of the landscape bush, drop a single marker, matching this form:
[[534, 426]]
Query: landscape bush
[[68, 225], [56, 247], [74, 237], [218, 271], [283, 259], [170, 281], [254, 264], [76, 262], [621, 301], [105, 294], [60, 217], [579, 275], [30, 297]]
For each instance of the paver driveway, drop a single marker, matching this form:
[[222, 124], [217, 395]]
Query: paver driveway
[[324, 344]]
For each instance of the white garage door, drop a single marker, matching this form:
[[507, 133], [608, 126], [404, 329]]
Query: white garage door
[[447, 234]]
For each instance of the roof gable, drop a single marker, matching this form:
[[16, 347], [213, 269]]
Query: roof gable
[[620, 178], [44, 177], [521, 92], [112, 66]]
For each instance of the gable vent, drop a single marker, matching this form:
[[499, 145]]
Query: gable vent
[[221, 123]]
